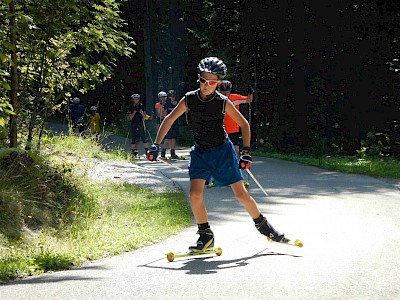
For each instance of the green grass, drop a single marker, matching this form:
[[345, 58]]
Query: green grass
[[384, 167], [52, 217]]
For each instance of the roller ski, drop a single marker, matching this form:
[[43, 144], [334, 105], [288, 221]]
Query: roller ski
[[210, 185], [265, 228], [176, 158], [204, 245], [173, 155], [285, 241], [171, 255]]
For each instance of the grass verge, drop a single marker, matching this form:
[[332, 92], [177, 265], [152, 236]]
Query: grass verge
[[52, 217], [384, 167]]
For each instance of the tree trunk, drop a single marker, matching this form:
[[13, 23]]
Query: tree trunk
[[147, 61], [38, 99], [14, 77]]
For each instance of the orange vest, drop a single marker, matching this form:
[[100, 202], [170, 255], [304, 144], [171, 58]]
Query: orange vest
[[230, 125]]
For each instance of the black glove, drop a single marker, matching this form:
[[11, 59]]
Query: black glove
[[251, 90], [152, 153], [245, 160]]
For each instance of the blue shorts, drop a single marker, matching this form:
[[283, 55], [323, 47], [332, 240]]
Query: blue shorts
[[220, 162]]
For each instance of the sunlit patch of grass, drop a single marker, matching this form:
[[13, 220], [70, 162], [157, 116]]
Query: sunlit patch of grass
[[53, 217]]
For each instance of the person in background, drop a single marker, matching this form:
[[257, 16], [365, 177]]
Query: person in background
[[170, 138], [159, 108], [76, 112], [231, 127], [136, 114], [94, 122]]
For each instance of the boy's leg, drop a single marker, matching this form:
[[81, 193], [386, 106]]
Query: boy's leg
[[243, 196], [196, 200], [134, 150], [261, 223], [206, 239]]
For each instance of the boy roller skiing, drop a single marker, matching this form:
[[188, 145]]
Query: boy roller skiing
[[213, 154]]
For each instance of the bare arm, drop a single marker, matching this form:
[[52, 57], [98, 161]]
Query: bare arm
[[169, 120], [159, 111], [244, 99], [241, 121]]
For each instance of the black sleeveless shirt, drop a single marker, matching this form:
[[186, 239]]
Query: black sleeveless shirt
[[207, 118]]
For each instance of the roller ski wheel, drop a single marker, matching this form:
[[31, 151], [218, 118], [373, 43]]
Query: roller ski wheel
[[285, 241], [171, 255], [210, 185], [246, 184]]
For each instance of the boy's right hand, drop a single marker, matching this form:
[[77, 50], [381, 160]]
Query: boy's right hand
[[245, 161], [152, 153]]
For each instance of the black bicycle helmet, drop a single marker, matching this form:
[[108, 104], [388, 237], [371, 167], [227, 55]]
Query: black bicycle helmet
[[212, 65], [225, 86]]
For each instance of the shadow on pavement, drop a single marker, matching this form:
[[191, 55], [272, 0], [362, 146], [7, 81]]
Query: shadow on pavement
[[202, 265], [48, 277]]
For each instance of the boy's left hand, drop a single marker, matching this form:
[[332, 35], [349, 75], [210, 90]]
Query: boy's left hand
[[245, 161]]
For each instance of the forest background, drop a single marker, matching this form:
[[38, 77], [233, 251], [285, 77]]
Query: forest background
[[325, 72]]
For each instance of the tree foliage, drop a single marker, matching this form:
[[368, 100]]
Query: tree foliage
[[326, 73], [63, 47]]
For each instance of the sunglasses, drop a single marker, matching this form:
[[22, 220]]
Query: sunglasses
[[209, 82]]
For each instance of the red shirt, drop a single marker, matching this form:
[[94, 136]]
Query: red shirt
[[163, 112], [230, 125]]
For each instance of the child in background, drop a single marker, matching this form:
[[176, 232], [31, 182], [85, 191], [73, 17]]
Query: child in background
[[94, 122]]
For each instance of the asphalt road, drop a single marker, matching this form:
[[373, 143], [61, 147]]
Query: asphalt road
[[349, 225]]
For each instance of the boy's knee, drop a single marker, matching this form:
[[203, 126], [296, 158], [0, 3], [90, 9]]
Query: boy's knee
[[195, 195], [242, 196]]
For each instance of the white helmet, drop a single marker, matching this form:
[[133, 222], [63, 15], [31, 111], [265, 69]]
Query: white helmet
[[135, 96], [162, 94], [93, 108], [76, 100]]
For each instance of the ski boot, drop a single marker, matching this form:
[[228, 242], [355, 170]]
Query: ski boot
[[205, 241], [163, 153], [265, 228], [173, 154]]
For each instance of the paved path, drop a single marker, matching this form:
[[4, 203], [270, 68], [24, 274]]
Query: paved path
[[349, 224]]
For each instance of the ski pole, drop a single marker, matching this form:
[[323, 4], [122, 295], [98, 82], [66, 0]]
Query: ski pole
[[145, 128], [256, 181], [168, 163], [127, 135]]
